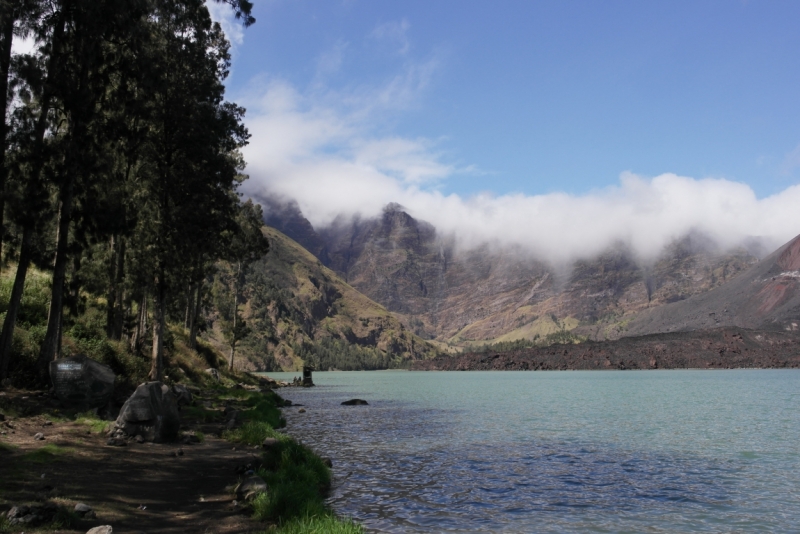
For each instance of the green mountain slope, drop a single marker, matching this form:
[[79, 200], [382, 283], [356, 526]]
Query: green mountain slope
[[298, 310]]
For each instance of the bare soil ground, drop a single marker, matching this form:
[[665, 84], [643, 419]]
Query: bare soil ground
[[144, 487]]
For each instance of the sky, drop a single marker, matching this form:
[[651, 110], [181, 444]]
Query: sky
[[547, 124]]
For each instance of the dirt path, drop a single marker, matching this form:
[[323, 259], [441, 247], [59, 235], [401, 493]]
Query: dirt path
[[137, 488]]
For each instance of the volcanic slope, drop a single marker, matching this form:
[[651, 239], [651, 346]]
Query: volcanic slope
[[765, 297], [491, 293], [298, 311]]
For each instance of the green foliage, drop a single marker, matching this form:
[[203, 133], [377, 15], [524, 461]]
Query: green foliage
[[319, 524], [252, 433], [562, 337], [35, 298], [339, 354], [297, 479]]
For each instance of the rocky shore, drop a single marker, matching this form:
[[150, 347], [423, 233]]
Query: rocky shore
[[723, 348]]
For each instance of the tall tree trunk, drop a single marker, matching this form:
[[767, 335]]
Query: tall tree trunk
[[119, 276], [141, 325], [16, 297], [49, 350], [189, 306], [33, 182], [198, 303], [6, 37], [111, 296], [235, 313], [157, 367]]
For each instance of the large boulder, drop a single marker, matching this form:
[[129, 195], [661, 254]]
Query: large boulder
[[151, 412], [82, 383]]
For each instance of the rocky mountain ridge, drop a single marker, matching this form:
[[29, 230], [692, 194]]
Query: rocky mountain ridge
[[491, 293]]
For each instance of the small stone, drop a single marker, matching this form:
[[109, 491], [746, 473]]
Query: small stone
[[269, 443], [301, 410], [38, 436], [327, 461], [105, 529], [82, 508], [250, 487], [139, 438], [47, 423]]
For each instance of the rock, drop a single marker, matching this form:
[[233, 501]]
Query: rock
[[238, 386], [301, 410], [38, 436], [250, 487], [182, 395], [81, 382], [355, 402], [82, 509], [47, 423], [151, 412], [231, 424], [139, 438], [287, 402], [327, 461], [117, 442], [18, 511], [214, 374], [270, 443], [105, 529]]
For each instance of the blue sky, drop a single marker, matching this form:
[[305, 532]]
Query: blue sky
[[467, 100], [566, 95]]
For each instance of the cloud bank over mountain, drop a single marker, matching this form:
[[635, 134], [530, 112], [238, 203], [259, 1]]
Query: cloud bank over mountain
[[331, 156]]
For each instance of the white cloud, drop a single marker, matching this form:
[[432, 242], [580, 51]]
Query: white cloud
[[223, 14], [394, 33], [333, 162]]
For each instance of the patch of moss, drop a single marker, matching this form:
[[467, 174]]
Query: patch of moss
[[46, 454]]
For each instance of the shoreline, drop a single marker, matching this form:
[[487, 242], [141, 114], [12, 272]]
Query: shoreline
[[724, 348]]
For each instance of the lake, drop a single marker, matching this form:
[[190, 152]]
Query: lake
[[581, 451]]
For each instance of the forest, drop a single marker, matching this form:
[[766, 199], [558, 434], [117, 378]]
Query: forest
[[119, 171]]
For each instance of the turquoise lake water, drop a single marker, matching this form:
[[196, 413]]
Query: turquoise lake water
[[582, 451]]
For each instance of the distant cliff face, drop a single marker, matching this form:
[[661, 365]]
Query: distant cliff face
[[499, 294]]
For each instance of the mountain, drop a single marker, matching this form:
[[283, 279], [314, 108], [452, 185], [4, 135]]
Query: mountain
[[765, 296], [491, 293], [298, 311]]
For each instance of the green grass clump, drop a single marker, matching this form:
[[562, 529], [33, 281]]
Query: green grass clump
[[252, 433], [45, 454], [7, 447], [297, 480], [320, 524], [95, 424]]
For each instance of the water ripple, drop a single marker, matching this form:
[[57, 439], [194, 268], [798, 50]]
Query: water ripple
[[403, 467]]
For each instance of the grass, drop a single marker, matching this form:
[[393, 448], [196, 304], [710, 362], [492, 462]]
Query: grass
[[324, 524], [7, 447], [45, 454], [252, 433], [95, 424], [297, 478]]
